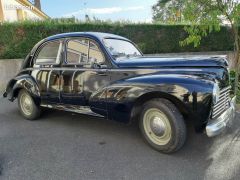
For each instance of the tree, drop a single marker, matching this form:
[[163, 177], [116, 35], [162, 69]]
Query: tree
[[167, 11], [205, 16]]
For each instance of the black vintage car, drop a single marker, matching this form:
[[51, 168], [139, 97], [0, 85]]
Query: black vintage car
[[107, 75]]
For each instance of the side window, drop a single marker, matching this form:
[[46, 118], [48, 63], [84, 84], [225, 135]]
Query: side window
[[77, 51], [83, 51], [50, 53], [95, 54]]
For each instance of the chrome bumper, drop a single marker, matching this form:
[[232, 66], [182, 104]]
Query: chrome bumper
[[216, 126]]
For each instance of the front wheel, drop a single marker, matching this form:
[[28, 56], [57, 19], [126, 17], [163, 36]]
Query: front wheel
[[27, 106], [162, 125]]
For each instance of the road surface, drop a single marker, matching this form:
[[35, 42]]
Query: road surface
[[63, 145]]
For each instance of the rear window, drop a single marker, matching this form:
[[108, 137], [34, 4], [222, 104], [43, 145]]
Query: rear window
[[50, 53]]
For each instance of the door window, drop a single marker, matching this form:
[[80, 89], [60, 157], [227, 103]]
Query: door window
[[83, 51], [77, 51], [95, 55], [50, 53]]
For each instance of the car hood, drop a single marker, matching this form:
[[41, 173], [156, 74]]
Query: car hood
[[153, 62]]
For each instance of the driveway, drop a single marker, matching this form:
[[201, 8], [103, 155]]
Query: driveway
[[63, 145]]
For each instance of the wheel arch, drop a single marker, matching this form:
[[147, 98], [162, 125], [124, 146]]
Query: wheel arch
[[184, 110], [25, 82], [36, 99]]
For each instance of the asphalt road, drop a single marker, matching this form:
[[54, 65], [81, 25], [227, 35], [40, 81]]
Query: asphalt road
[[63, 145]]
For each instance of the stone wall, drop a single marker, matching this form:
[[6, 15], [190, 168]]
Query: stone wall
[[8, 69]]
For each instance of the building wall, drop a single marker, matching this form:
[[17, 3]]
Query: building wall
[[12, 14], [1, 12]]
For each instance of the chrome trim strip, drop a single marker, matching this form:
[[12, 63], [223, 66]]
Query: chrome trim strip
[[76, 109], [109, 69], [219, 106], [223, 102]]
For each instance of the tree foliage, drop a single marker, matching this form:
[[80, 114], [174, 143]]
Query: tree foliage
[[205, 16], [168, 11]]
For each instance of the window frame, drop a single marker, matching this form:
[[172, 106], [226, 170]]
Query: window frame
[[59, 56], [89, 40]]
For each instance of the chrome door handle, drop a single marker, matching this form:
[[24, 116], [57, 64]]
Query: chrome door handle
[[102, 73]]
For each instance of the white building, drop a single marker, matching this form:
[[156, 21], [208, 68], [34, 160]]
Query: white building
[[19, 10]]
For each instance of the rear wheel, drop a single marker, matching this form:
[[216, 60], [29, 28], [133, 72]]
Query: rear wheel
[[162, 125], [27, 106]]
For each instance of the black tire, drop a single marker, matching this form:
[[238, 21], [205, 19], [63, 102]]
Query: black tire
[[34, 110], [175, 137]]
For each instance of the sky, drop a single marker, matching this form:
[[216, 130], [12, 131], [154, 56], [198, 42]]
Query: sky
[[133, 10]]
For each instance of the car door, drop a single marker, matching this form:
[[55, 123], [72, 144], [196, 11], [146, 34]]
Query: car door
[[76, 54], [96, 77], [85, 71], [46, 71]]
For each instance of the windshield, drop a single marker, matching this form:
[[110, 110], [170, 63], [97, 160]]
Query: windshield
[[121, 49]]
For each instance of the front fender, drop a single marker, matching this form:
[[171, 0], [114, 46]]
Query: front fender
[[191, 92], [22, 82]]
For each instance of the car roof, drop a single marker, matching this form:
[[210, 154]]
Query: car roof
[[98, 35], [95, 35]]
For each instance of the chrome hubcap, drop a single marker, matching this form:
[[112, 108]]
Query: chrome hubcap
[[157, 126], [26, 104]]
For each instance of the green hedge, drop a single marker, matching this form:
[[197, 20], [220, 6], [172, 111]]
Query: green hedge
[[232, 78], [17, 39]]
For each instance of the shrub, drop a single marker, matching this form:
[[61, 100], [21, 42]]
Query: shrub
[[232, 80], [17, 39]]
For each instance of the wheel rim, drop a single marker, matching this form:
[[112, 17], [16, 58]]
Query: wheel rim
[[26, 104], [157, 126]]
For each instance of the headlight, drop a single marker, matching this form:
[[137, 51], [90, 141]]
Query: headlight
[[216, 93]]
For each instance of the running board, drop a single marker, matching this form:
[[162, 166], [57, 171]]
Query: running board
[[73, 108]]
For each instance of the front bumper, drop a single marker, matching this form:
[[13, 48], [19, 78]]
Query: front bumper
[[217, 125]]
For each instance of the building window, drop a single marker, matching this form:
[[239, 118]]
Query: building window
[[25, 15], [20, 14]]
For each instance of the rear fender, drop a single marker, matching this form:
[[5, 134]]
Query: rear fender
[[23, 82]]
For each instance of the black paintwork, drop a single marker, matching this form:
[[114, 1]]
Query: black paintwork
[[118, 89]]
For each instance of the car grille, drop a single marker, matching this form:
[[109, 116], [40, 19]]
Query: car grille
[[223, 102]]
